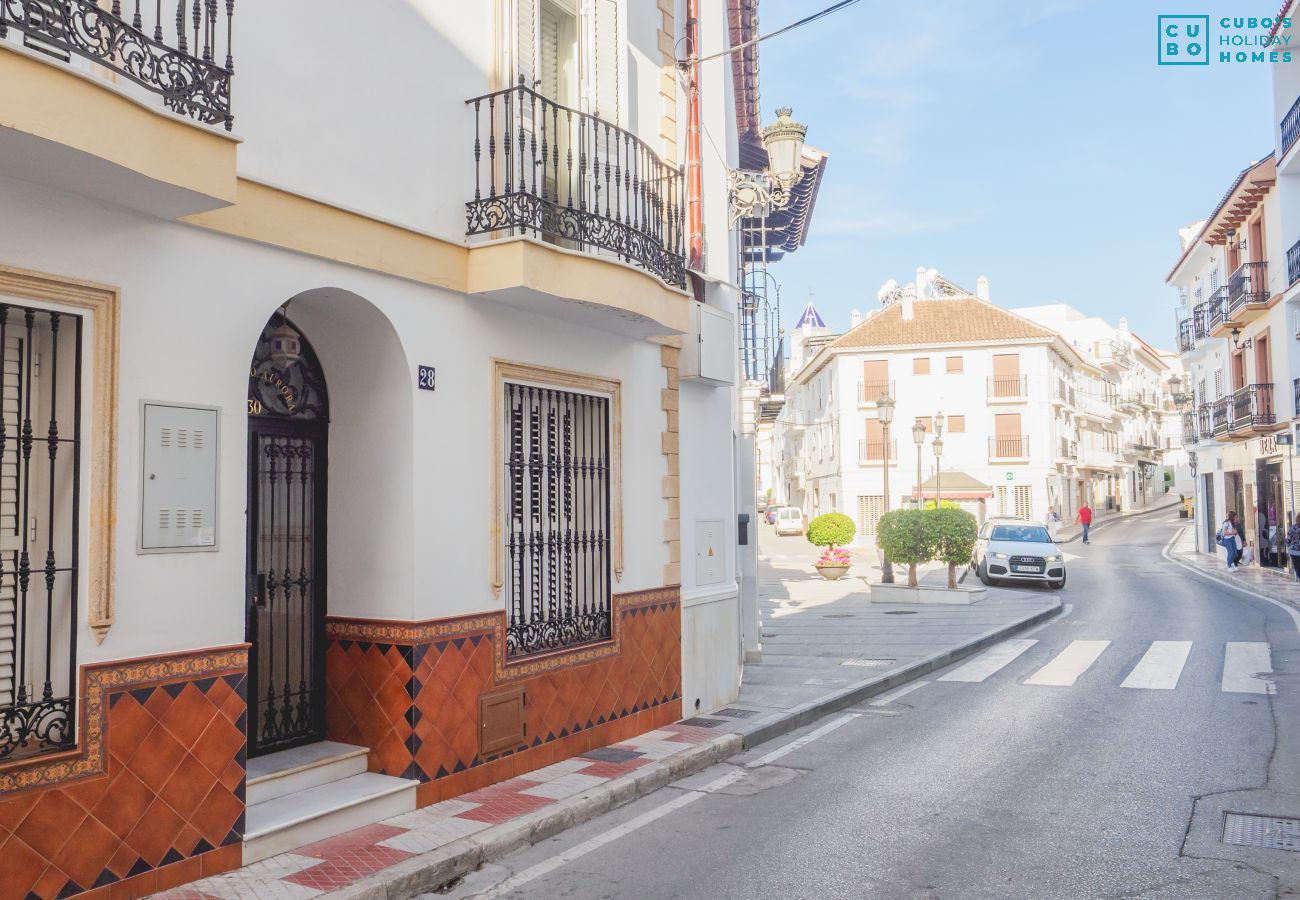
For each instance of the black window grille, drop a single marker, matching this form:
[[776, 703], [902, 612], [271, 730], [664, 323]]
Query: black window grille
[[40, 465], [557, 538]]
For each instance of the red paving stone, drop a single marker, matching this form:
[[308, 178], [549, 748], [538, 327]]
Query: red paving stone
[[347, 865], [365, 836], [503, 809]]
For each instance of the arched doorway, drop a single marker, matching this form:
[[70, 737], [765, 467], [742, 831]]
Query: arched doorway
[[288, 421]]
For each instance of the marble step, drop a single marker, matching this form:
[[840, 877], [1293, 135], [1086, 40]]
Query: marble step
[[290, 771], [303, 817]]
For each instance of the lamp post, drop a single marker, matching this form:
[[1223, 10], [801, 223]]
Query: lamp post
[[885, 413], [918, 435], [938, 466]]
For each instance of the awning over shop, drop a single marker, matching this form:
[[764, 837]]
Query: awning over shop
[[955, 486]]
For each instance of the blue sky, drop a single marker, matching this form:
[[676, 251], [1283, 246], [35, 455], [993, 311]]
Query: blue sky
[[1038, 144]]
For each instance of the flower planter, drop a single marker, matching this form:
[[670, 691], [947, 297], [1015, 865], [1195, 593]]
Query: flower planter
[[832, 573]]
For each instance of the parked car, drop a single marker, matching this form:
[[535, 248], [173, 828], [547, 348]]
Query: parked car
[[1016, 550], [789, 520]]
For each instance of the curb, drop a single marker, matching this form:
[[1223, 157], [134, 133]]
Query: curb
[[1168, 507], [807, 713], [430, 871]]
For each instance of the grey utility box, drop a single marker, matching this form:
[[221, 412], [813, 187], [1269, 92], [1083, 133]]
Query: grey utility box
[[178, 478]]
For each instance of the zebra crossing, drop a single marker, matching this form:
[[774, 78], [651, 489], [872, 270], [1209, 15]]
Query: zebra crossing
[[1246, 665]]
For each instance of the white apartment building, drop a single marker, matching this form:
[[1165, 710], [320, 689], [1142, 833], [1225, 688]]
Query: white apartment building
[[1000, 381], [1236, 330], [342, 400]]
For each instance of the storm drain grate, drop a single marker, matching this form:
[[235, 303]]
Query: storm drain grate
[[701, 722], [735, 713], [868, 663], [1269, 832]]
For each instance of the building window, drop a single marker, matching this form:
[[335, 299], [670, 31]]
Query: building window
[[954, 365], [1218, 383], [957, 424], [921, 365], [1024, 501], [1002, 499], [870, 509], [558, 516], [40, 458]]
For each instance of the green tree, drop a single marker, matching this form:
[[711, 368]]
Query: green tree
[[951, 535], [902, 535], [831, 530]]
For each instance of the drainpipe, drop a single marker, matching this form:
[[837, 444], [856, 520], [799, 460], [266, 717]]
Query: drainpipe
[[694, 181]]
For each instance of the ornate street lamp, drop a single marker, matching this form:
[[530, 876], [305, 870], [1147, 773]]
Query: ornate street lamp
[[757, 193], [885, 413], [918, 435]]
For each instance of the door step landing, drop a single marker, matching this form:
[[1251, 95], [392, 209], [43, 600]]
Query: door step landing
[[307, 794]]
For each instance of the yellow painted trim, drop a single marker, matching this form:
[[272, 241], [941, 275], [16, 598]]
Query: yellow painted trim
[[52, 101], [293, 222], [523, 262], [506, 370], [103, 306]]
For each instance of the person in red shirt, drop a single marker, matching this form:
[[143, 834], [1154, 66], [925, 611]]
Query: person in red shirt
[[1085, 519]]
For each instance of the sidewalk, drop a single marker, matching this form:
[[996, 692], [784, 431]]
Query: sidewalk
[[825, 647], [1275, 583], [1100, 518]]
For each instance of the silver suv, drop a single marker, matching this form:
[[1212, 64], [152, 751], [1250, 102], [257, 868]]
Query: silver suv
[[1016, 550]]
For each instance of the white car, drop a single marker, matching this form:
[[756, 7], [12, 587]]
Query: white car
[[789, 520], [1016, 550]]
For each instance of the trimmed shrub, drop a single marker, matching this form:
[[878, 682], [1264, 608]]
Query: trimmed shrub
[[902, 535], [831, 530], [951, 534]]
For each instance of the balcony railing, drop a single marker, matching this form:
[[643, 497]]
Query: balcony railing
[[1099, 407], [1290, 127], [1008, 387], [1216, 309], [570, 178], [1190, 433], [1200, 327], [870, 452], [1252, 405], [178, 57], [1295, 397], [1293, 264], [1186, 339], [1249, 284], [870, 391], [1015, 446], [1220, 416], [1067, 449]]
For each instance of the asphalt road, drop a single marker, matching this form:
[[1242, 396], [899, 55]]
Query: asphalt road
[[992, 787]]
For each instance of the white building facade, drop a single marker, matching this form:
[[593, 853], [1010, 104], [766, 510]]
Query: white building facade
[[348, 405]]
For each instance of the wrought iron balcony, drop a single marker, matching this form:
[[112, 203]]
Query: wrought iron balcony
[[1220, 417], [1068, 449], [871, 391], [1293, 264], [176, 57], [873, 452], [1249, 284], [1190, 433], [1200, 326], [1290, 127], [1014, 446], [574, 180], [1252, 406], [1008, 387], [1216, 309], [1186, 340]]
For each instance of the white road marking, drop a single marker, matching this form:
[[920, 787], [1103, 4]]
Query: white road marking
[[1069, 664], [532, 873], [890, 696], [990, 661], [1241, 660], [1160, 667]]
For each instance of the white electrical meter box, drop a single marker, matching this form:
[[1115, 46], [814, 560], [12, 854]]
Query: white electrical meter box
[[710, 555], [178, 486], [709, 351]]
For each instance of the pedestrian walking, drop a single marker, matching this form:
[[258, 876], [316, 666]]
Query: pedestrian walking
[[1229, 536], [1052, 522], [1293, 548], [1085, 519], [1265, 545]]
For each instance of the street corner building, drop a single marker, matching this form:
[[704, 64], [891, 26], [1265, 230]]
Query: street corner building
[[350, 458]]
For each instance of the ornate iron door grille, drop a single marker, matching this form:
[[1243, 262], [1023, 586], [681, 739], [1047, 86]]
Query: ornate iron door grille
[[287, 454], [40, 488], [558, 575]]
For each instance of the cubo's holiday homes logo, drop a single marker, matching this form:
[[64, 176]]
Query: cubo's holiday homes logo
[[1186, 40]]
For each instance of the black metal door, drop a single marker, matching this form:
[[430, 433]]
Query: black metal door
[[287, 454]]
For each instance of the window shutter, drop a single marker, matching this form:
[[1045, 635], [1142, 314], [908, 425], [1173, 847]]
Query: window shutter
[[549, 52], [606, 60], [527, 34], [10, 525]]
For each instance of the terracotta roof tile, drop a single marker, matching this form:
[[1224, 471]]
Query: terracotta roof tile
[[941, 322]]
